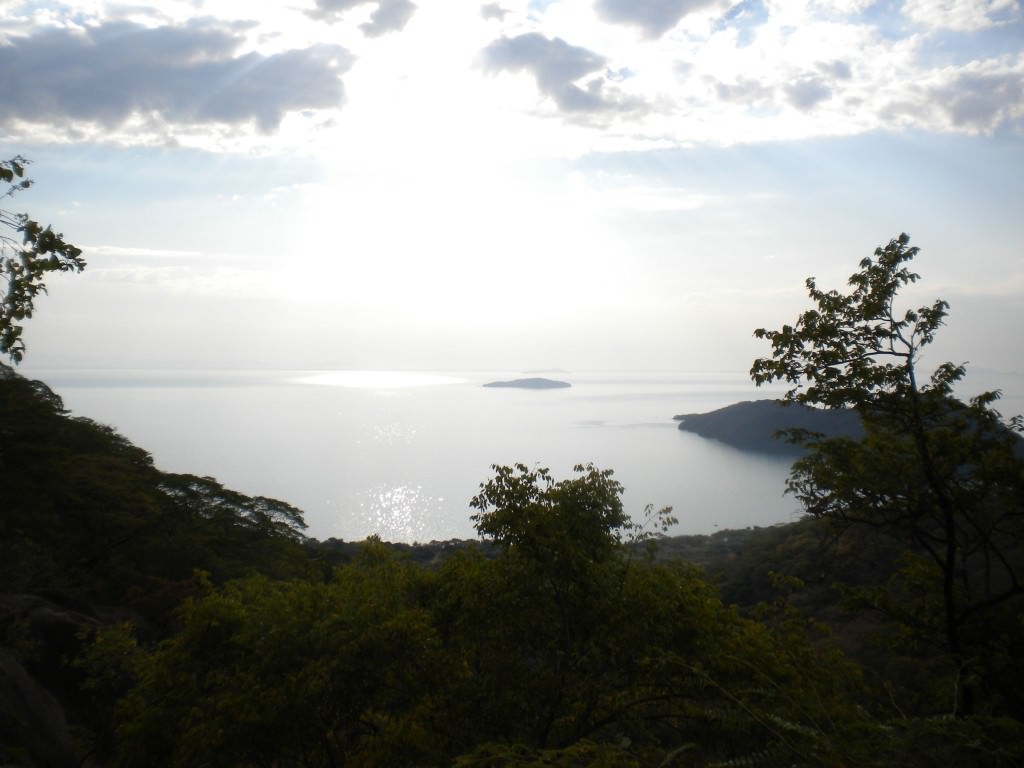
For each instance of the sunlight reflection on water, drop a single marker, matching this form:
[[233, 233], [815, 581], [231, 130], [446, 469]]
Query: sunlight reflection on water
[[393, 434], [400, 512]]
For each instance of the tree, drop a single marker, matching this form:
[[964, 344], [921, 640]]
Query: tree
[[25, 258], [944, 475], [561, 557], [527, 513], [294, 673]]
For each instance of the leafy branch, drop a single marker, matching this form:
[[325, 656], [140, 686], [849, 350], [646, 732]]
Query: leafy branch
[[28, 251]]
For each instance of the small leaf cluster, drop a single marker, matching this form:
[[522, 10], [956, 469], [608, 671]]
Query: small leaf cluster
[[28, 251]]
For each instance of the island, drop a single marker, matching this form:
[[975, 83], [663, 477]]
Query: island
[[752, 425], [533, 383]]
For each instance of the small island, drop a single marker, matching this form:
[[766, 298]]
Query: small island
[[534, 383]]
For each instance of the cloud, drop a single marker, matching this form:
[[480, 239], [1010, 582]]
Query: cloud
[[806, 92], [745, 91], [180, 271], [845, 6], [557, 66], [388, 16], [839, 70], [110, 74], [492, 11], [980, 101], [654, 17], [978, 98], [961, 15], [118, 252]]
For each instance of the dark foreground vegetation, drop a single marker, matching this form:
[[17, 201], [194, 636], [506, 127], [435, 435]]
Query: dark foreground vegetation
[[156, 619]]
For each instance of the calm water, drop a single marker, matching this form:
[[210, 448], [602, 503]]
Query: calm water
[[401, 454]]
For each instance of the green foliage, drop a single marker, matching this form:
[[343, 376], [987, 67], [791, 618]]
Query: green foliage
[[25, 259], [86, 520], [85, 512], [106, 671], [109, 658], [583, 754], [506, 660], [853, 349], [526, 511], [944, 477], [290, 672], [566, 525]]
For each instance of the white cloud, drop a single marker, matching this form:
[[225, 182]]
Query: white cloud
[[848, 7], [118, 251], [195, 276], [961, 15]]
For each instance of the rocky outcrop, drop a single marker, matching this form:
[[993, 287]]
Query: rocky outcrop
[[33, 731], [39, 689]]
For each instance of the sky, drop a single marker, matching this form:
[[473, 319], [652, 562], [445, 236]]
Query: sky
[[516, 185]]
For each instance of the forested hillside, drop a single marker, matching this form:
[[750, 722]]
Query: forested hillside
[[156, 619]]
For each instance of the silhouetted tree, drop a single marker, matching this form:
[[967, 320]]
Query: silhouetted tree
[[943, 474]]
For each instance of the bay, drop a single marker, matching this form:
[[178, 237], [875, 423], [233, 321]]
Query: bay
[[400, 454]]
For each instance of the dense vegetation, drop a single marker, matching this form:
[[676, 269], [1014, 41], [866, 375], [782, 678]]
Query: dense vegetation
[[154, 619], [178, 623]]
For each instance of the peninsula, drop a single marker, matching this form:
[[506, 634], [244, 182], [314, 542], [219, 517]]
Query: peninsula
[[752, 425]]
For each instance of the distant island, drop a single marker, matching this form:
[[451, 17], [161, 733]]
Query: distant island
[[751, 425], [533, 383]]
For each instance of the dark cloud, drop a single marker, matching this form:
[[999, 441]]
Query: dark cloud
[[389, 15], [556, 66], [183, 74], [654, 17], [980, 101], [805, 93]]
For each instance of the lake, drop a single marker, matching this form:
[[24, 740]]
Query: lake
[[400, 454]]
